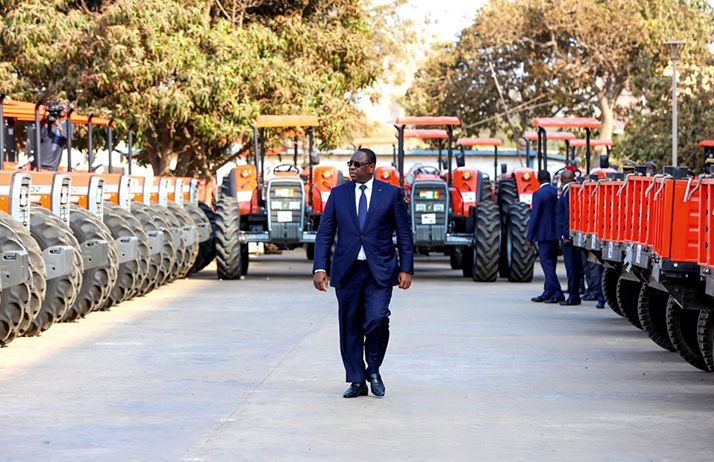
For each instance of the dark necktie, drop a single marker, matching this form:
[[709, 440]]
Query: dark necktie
[[362, 210]]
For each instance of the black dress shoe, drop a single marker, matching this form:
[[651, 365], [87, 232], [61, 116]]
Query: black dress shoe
[[356, 389], [538, 299], [555, 299], [375, 382], [570, 302], [590, 298], [600, 305]]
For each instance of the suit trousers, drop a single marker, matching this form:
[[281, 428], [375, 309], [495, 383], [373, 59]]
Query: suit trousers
[[548, 253], [571, 258], [364, 321]]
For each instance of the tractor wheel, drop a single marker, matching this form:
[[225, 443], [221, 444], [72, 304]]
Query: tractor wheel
[[506, 195], [207, 249], [228, 249], [49, 230], [682, 326], [628, 294], [652, 311], [310, 251], [151, 226], [167, 262], [608, 285], [485, 254], [244, 259], [38, 282], [144, 251], [485, 191], [128, 275], [14, 301], [97, 282], [182, 250], [705, 334], [520, 258], [456, 258], [186, 223]]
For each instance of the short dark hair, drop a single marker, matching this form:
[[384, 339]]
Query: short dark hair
[[371, 156], [543, 176]]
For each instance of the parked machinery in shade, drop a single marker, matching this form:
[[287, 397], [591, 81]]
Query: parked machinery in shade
[[441, 217]]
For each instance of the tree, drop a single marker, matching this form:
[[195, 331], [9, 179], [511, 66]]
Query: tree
[[555, 57]]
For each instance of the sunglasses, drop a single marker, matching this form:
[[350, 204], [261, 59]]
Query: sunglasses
[[357, 164]]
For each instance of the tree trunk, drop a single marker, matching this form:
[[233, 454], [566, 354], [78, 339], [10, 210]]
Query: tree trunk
[[608, 116]]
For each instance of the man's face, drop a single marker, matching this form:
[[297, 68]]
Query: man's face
[[364, 172]]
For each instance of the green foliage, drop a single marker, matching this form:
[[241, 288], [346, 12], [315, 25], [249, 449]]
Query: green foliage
[[191, 75]]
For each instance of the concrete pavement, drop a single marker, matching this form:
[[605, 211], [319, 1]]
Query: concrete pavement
[[207, 370]]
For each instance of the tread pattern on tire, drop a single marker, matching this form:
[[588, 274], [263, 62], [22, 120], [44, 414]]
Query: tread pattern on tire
[[127, 272], [207, 249], [682, 326], [652, 312], [486, 248], [522, 256], [184, 219], [15, 300], [506, 195], [228, 251], [608, 285], [705, 337], [151, 223], [182, 251], [628, 294], [144, 251]]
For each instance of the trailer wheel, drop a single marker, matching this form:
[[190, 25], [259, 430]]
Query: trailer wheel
[[652, 312], [628, 294], [128, 277], [167, 260], [228, 249], [38, 283], [15, 300], [144, 251], [97, 282], [49, 230], [682, 326], [487, 233], [206, 250], [180, 251], [705, 335], [185, 220], [608, 285], [520, 258], [506, 195]]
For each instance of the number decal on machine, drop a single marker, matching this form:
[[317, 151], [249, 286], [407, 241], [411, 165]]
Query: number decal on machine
[[428, 219], [285, 216], [468, 196]]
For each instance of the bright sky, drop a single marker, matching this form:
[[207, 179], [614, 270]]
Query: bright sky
[[436, 20]]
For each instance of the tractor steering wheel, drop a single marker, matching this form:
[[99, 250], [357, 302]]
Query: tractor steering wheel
[[284, 168], [427, 170]]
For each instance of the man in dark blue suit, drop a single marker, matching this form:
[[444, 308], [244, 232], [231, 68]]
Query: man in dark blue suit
[[364, 214], [541, 229], [570, 253]]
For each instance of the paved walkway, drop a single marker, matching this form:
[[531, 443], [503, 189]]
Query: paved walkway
[[204, 370]]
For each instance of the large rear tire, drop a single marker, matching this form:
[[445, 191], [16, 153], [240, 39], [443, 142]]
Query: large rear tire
[[168, 253], [485, 189], [49, 230], [608, 285], [144, 277], [520, 257], [128, 272], [705, 336], [652, 312], [628, 294], [181, 252], [682, 326], [38, 283], [15, 300], [150, 226], [189, 226], [506, 195], [228, 249], [487, 233], [206, 249]]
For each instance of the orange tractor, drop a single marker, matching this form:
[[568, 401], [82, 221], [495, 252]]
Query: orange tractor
[[448, 213]]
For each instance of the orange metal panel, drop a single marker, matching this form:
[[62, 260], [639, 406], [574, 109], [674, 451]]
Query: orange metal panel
[[388, 174], [566, 122], [479, 141], [441, 120], [285, 121], [426, 134], [580, 143], [552, 136]]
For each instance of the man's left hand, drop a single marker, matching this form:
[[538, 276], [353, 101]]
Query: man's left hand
[[405, 281]]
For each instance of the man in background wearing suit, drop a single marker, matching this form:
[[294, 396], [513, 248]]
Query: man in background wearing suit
[[570, 253], [541, 229], [364, 214]]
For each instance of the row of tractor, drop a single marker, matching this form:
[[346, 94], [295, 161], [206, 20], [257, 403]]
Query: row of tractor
[[655, 236], [74, 242]]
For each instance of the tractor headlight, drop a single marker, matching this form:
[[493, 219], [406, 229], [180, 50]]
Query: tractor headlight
[[386, 175], [326, 174], [527, 176], [245, 173], [466, 176]]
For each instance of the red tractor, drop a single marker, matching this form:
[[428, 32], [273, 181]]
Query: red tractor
[[446, 211]]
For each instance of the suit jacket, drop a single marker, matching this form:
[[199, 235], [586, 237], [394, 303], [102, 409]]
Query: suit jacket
[[562, 214], [387, 214], [541, 226]]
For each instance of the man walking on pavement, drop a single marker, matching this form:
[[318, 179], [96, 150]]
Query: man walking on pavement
[[570, 253], [364, 214], [541, 229]]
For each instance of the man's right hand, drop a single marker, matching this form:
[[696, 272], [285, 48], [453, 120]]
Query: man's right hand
[[320, 281]]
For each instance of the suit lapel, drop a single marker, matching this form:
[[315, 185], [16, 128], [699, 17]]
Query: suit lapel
[[374, 200]]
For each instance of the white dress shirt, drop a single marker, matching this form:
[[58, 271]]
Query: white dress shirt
[[358, 194]]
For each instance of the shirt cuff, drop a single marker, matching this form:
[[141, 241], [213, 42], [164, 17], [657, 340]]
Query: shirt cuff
[[320, 271]]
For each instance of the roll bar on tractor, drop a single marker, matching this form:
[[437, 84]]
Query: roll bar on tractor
[[579, 143], [471, 142], [401, 125], [264, 122], [541, 123], [529, 137], [430, 134]]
